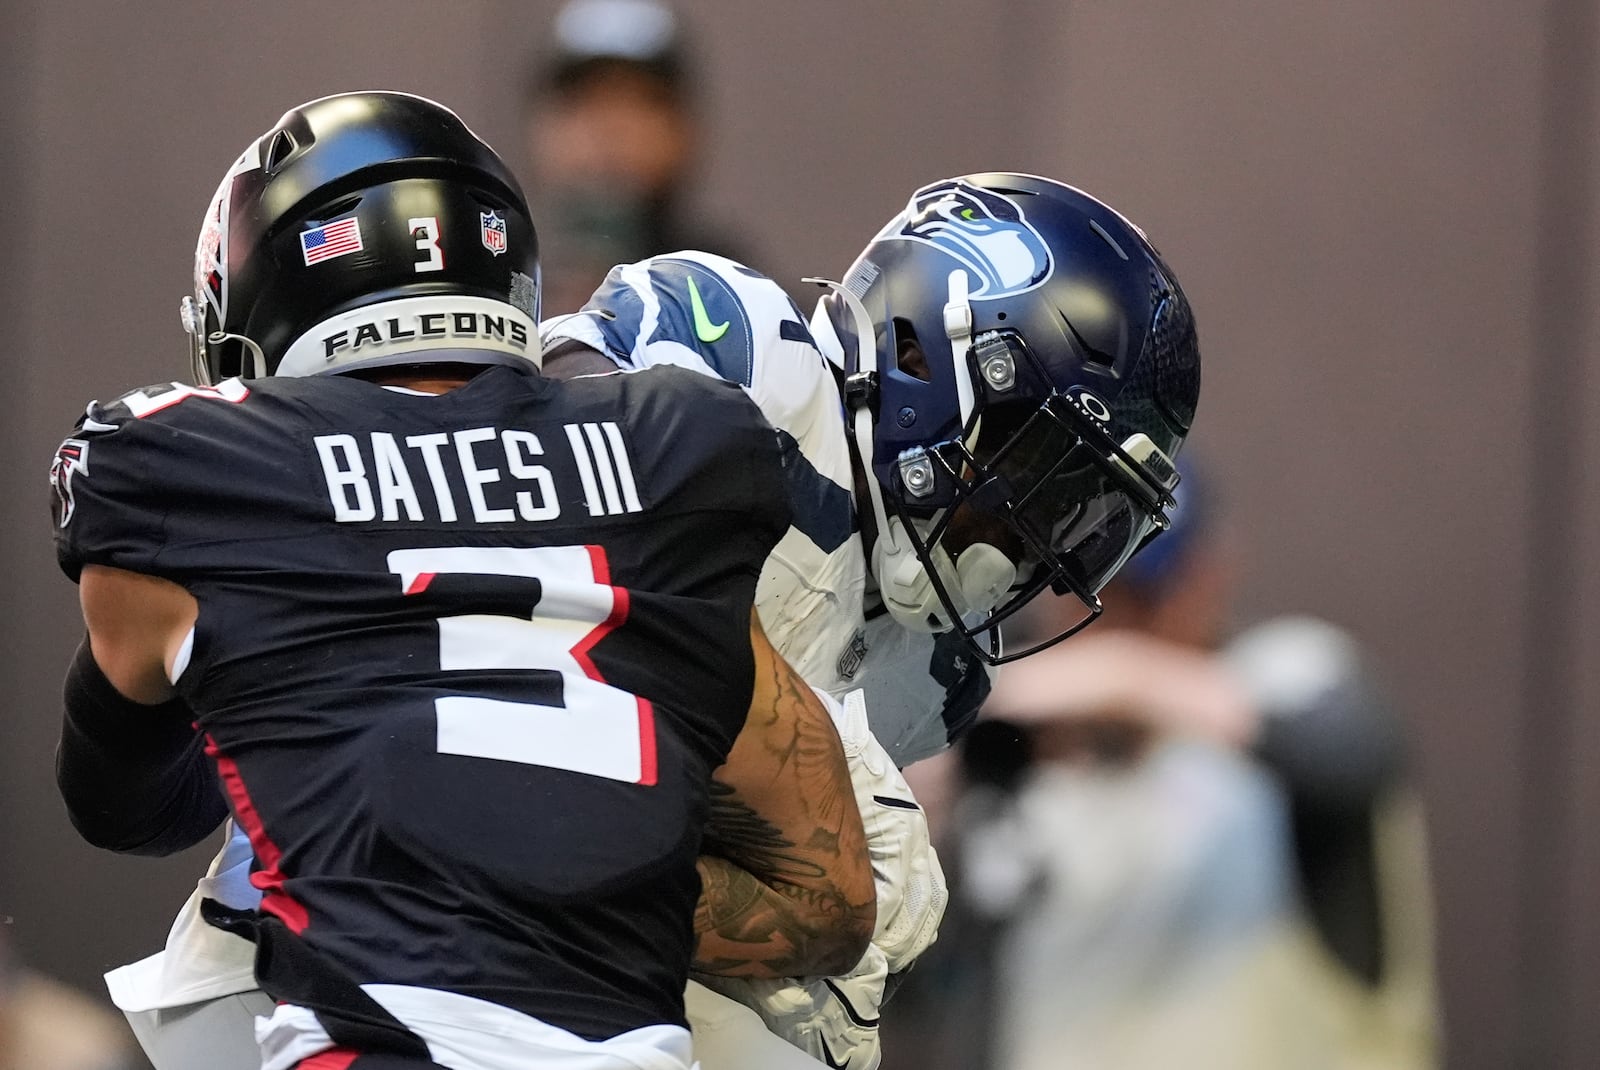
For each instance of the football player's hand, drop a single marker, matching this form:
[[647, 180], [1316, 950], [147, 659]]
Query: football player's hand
[[832, 1019]]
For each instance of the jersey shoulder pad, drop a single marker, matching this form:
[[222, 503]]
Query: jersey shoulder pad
[[691, 411], [693, 309], [148, 401], [116, 476], [707, 434]]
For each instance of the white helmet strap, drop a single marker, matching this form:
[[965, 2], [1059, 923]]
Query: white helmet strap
[[258, 359], [862, 418], [865, 333], [958, 328]]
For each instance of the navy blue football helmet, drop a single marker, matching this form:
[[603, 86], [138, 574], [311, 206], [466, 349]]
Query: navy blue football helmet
[[1021, 368], [356, 201]]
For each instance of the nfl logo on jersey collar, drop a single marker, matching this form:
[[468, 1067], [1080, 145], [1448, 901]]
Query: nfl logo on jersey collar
[[494, 231]]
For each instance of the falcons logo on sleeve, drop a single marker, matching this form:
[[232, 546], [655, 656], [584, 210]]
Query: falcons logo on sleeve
[[71, 458]]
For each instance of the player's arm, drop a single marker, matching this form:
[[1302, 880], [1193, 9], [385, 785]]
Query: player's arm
[[569, 358], [130, 765], [786, 878]]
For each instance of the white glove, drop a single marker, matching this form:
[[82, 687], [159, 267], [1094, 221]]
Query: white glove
[[835, 1019], [832, 1019], [905, 869]]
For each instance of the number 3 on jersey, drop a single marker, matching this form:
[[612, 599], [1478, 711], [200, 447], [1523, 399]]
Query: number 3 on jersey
[[598, 729]]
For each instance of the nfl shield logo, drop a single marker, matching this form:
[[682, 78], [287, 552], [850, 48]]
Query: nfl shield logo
[[494, 231], [850, 661]]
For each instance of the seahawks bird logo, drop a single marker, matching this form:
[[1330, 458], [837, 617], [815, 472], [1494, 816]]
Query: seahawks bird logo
[[985, 231]]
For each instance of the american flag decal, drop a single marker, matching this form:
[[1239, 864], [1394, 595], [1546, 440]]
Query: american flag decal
[[331, 240]]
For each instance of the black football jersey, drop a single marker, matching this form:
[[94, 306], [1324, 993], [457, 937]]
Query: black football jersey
[[465, 662]]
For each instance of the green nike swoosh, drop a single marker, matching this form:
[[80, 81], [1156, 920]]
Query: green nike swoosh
[[704, 329]]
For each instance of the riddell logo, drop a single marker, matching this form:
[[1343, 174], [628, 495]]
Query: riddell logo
[[425, 326]]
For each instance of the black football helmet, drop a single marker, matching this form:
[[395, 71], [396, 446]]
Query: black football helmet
[[1021, 368], [364, 230]]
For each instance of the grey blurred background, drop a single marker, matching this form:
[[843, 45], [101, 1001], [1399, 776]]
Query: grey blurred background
[[1385, 215]]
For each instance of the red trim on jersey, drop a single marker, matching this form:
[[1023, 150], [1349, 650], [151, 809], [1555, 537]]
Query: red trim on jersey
[[332, 1059], [647, 743], [620, 603], [269, 879], [601, 566], [617, 616], [183, 391], [421, 582], [164, 405]]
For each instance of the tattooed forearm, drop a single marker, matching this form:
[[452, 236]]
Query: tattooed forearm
[[744, 837], [750, 929], [787, 887], [788, 920]]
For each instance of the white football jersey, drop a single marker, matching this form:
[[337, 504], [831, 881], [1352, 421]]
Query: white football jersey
[[705, 312]]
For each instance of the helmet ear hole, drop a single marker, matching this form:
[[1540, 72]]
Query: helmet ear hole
[[909, 355]]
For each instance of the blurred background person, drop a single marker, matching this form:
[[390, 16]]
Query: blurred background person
[[45, 1025], [1175, 849], [613, 139]]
